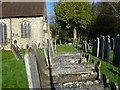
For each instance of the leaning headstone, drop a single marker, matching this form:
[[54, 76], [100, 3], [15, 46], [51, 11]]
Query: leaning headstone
[[101, 48], [106, 48], [15, 51], [36, 52], [49, 52], [114, 86], [116, 60], [32, 71]]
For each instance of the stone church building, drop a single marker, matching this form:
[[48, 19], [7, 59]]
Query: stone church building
[[24, 22]]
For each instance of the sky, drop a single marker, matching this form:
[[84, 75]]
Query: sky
[[50, 8]]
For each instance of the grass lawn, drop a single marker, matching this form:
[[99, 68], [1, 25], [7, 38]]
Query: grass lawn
[[13, 71], [65, 48], [112, 72]]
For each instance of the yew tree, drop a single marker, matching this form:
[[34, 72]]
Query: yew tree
[[73, 16]]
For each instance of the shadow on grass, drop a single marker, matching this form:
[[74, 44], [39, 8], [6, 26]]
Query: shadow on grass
[[116, 73]]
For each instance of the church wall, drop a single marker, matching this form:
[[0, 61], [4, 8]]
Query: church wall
[[36, 27]]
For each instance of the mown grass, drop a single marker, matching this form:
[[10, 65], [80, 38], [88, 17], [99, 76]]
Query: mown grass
[[13, 71], [112, 72], [66, 48]]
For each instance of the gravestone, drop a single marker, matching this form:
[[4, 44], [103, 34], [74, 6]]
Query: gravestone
[[93, 62], [101, 48], [88, 47], [60, 42], [98, 44], [112, 43], [52, 48], [95, 48], [116, 60], [106, 48], [97, 68], [49, 52], [46, 56], [36, 52], [105, 80], [88, 58], [114, 86], [85, 46], [14, 49], [32, 70]]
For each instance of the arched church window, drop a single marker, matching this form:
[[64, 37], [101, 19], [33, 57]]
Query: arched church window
[[25, 29], [3, 33]]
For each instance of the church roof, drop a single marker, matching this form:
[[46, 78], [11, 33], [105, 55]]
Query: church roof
[[22, 9]]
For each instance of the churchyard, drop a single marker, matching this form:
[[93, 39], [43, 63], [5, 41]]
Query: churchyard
[[15, 74], [77, 48]]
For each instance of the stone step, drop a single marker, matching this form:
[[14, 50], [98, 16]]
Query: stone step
[[67, 54], [81, 88], [69, 69], [80, 84], [74, 77]]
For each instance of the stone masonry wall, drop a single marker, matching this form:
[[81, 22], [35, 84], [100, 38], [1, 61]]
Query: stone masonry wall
[[37, 32]]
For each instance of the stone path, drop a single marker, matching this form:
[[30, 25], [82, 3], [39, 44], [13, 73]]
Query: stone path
[[65, 72], [70, 74]]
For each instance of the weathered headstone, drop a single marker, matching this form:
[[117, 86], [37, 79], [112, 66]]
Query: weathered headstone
[[60, 42], [97, 68], [93, 62], [49, 52], [112, 43], [85, 46], [46, 56], [32, 70], [95, 48], [101, 48], [105, 80], [14, 49], [98, 44], [106, 48], [36, 52], [52, 48], [114, 86], [116, 60], [88, 58]]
